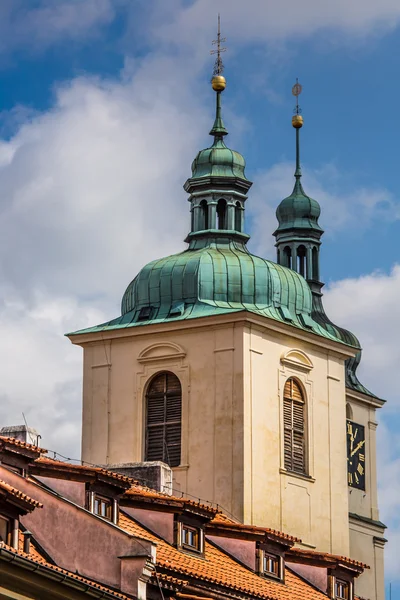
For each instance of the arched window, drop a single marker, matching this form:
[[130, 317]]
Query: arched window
[[315, 265], [163, 419], [287, 253], [204, 214], [349, 412], [301, 260], [221, 213], [294, 427], [238, 217]]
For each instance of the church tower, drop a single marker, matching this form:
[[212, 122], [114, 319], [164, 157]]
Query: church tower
[[224, 365], [298, 241]]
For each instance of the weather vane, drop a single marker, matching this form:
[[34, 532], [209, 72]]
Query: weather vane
[[218, 66], [296, 91], [297, 119]]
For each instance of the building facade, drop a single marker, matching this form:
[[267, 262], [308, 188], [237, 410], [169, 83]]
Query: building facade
[[225, 366]]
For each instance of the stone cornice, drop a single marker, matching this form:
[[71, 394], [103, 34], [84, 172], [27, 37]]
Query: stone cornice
[[241, 317], [364, 399]]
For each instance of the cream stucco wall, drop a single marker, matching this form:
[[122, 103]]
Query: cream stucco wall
[[232, 372], [313, 507], [366, 531]]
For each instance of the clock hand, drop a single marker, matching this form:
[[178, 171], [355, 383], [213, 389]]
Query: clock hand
[[360, 445]]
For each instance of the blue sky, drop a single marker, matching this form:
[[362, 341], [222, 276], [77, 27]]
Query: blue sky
[[103, 105]]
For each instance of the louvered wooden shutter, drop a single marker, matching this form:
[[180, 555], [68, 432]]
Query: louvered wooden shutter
[[163, 419], [294, 430]]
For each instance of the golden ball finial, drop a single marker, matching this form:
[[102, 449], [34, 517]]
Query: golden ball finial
[[297, 121], [218, 83]]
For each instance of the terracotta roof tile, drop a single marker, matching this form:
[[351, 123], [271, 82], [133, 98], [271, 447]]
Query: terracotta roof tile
[[9, 489], [39, 560], [222, 522], [83, 469], [313, 555], [20, 444], [34, 552], [138, 491], [219, 568]]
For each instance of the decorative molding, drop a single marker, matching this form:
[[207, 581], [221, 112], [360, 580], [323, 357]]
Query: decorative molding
[[370, 522], [297, 475], [297, 359], [161, 351], [333, 378], [363, 399], [229, 349]]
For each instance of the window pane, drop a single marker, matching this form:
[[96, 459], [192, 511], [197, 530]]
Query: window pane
[[163, 419], [294, 427]]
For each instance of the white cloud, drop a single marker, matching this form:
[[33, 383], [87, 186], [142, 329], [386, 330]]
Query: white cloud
[[264, 21], [41, 371], [46, 22], [369, 306], [90, 191]]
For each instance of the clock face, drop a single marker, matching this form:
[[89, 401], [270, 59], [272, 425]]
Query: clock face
[[356, 455]]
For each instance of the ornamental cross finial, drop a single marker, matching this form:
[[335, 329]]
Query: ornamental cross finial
[[218, 65]]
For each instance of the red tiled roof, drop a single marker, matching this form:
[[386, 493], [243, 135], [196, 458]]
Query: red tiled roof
[[220, 569], [322, 557], [25, 445], [139, 492], [39, 560], [64, 467], [223, 523], [9, 489]]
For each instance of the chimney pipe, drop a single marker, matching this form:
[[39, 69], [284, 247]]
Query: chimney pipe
[[27, 541]]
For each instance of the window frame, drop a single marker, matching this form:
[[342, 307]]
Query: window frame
[[103, 501], [346, 585], [166, 425], [289, 403], [197, 530], [278, 565]]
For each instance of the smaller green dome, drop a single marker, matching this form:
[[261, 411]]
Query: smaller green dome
[[218, 161], [298, 211]]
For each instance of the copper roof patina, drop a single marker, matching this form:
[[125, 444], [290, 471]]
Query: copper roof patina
[[216, 274]]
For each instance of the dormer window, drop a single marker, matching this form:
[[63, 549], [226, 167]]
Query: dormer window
[[270, 564], [340, 586], [145, 313], [103, 507], [342, 590], [190, 537]]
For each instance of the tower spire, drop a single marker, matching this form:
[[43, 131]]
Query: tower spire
[[297, 122], [218, 186], [218, 83], [298, 237]]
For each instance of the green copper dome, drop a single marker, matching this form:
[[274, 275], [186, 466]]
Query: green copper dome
[[218, 161], [216, 274], [298, 211], [221, 273]]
